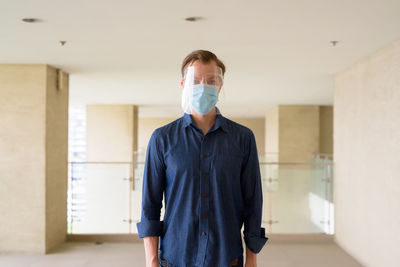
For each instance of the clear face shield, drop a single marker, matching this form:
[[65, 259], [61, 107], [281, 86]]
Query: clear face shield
[[200, 89]]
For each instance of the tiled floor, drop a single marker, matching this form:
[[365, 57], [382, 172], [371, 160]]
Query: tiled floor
[[79, 254]]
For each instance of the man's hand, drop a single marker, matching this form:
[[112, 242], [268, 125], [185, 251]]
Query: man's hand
[[251, 258], [154, 263]]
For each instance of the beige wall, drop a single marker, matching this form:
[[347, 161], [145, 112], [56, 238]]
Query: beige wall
[[367, 158], [109, 132], [33, 169]]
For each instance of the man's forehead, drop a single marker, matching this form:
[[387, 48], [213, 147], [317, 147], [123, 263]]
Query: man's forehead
[[198, 69], [210, 66]]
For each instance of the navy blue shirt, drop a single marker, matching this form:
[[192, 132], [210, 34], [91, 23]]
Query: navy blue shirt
[[212, 187]]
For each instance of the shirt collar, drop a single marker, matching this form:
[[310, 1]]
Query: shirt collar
[[220, 120]]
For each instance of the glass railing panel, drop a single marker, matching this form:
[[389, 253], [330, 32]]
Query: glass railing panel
[[137, 194], [297, 198], [98, 198]]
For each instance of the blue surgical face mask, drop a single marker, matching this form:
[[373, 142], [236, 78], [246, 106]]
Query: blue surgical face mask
[[204, 98]]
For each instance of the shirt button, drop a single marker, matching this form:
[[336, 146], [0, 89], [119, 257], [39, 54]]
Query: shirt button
[[204, 215], [203, 195], [204, 174], [204, 156], [203, 233]]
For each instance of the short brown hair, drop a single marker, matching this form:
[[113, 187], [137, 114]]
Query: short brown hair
[[204, 56]]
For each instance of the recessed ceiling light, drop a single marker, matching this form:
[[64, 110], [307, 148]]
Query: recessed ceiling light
[[31, 20], [334, 43], [194, 19]]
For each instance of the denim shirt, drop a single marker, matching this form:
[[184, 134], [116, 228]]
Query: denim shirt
[[212, 187]]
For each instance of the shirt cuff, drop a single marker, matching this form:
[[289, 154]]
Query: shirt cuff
[[149, 228], [255, 242]]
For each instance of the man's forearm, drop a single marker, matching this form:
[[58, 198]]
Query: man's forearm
[[151, 250]]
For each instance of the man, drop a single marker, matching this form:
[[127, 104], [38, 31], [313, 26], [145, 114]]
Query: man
[[207, 167]]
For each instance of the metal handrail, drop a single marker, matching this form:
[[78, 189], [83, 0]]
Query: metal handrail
[[261, 162], [100, 162]]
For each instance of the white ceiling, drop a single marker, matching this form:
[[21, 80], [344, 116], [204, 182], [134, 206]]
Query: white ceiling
[[129, 52]]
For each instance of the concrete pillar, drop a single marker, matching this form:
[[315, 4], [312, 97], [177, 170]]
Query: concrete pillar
[[295, 132], [34, 155], [326, 129]]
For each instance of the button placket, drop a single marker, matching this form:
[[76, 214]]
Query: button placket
[[204, 204]]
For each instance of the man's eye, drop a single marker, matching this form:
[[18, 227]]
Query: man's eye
[[211, 82], [196, 81]]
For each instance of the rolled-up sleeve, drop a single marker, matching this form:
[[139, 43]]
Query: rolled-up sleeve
[[153, 189], [254, 234]]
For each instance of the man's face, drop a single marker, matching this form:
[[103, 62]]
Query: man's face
[[205, 72]]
